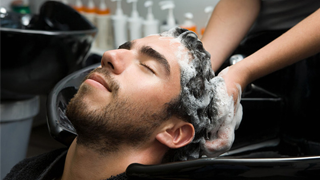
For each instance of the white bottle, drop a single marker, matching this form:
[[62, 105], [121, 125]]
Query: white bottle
[[135, 22], [188, 23], [150, 25], [79, 6], [105, 37], [171, 23], [119, 21], [90, 12]]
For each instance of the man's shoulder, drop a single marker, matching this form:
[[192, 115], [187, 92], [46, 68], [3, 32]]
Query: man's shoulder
[[37, 166]]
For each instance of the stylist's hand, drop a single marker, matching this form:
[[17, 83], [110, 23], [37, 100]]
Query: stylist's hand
[[233, 88], [229, 115]]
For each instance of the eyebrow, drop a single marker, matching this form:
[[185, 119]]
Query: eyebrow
[[127, 45], [149, 51]]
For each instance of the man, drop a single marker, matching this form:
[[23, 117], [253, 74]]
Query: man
[[153, 100]]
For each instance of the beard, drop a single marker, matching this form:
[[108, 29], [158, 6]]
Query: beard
[[119, 122]]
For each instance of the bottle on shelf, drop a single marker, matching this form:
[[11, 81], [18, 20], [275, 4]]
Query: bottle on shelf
[[171, 22], [89, 12], [150, 25], [104, 38], [188, 23], [78, 6], [119, 23], [134, 22]]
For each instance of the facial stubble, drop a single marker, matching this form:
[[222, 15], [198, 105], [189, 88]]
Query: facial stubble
[[119, 122]]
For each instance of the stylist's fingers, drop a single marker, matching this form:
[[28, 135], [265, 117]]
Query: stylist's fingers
[[224, 137], [223, 143]]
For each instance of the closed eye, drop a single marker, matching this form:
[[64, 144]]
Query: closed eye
[[146, 66]]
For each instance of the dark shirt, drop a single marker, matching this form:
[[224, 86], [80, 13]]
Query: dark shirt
[[48, 166]]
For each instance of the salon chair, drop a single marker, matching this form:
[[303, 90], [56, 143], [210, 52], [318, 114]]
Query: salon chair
[[260, 150]]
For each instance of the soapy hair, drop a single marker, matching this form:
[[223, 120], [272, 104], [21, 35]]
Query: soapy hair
[[196, 101]]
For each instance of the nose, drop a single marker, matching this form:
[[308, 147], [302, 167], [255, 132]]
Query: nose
[[116, 60]]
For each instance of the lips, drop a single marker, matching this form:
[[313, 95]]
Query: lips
[[96, 77]]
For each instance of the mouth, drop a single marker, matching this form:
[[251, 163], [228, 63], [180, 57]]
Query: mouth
[[99, 79]]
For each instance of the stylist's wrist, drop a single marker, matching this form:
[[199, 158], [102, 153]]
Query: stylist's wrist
[[240, 74]]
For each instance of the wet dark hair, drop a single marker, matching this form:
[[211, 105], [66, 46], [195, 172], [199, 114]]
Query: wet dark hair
[[195, 103]]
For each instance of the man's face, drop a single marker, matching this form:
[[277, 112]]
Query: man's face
[[124, 100]]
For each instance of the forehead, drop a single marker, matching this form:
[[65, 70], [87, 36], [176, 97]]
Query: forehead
[[170, 47], [165, 45]]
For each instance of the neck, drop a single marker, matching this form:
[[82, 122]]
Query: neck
[[84, 163]]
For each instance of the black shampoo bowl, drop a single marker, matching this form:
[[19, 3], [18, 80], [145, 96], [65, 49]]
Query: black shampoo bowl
[[262, 153], [39, 50]]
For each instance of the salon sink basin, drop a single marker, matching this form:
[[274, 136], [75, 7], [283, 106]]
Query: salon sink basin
[[39, 50]]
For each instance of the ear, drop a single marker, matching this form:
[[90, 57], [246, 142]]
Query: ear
[[176, 135]]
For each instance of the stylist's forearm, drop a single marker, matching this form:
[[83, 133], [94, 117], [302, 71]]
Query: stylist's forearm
[[301, 41], [229, 23]]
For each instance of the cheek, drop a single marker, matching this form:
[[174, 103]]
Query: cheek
[[147, 90]]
